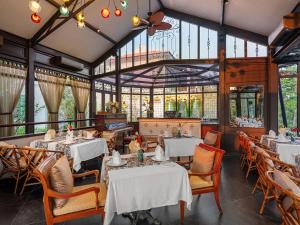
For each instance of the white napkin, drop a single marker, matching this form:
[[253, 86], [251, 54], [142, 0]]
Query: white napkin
[[281, 137], [69, 138], [159, 153], [272, 133], [116, 157]]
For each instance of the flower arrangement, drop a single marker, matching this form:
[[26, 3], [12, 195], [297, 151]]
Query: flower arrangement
[[292, 133]]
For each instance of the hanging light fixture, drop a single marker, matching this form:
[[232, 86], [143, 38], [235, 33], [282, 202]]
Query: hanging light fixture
[[80, 20], [118, 12], [64, 11], [35, 18], [124, 3], [34, 6], [105, 13], [80, 24], [135, 20]]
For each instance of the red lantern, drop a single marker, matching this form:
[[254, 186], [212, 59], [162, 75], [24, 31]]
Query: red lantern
[[35, 18], [118, 12], [105, 13]]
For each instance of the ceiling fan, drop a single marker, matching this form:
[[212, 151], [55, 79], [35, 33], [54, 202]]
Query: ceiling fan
[[153, 23]]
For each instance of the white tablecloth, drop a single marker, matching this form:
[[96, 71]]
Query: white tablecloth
[[143, 188], [287, 152], [175, 147]]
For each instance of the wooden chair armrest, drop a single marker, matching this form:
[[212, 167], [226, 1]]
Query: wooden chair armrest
[[183, 163], [95, 172], [273, 154], [202, 174], [54, 194]]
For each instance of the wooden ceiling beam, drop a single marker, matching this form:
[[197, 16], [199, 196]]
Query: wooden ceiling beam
[[223, 6], [144, 72], [44, 35]]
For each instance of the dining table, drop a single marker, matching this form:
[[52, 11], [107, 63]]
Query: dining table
[[141, 186], [80, 149], [180, 146]]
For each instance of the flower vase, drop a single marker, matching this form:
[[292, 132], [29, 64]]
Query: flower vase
[[140, 155], [114, 110]]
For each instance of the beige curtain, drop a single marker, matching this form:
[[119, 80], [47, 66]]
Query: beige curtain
[[81, 93], [12, 80], [52, 88]]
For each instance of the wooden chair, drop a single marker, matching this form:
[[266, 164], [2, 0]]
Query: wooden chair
[[14, 163], [219, 134], [196, 179], [242, 143], [151, 141], [250, 157], [288, 202], [266, 162], [84, 201]]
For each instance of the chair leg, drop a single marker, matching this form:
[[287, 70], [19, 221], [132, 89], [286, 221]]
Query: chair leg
[[249, 169], [217, 197], [17, 182], [182, 205], [262, 208], [25, 182], [256, 184]]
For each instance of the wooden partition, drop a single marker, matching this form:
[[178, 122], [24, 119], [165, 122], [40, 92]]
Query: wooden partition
[[243, 72]]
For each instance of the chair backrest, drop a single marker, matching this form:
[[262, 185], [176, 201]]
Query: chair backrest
[[287, 195], [219, 153], [218, 134]]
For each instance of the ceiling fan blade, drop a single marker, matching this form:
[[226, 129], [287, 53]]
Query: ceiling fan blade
[[163, 26], [151, 31], [156, 18], [139, 28]]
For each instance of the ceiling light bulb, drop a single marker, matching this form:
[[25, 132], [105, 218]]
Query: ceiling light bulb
[[105, 13], [124, 3], [64, 11], [80, 24], [135, 20], [34, 6], [118, 12], [35, 18]]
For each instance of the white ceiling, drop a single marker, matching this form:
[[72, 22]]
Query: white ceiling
[[260, 16]]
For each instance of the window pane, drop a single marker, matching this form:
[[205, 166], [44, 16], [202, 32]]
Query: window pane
[[183, 105], [136, 107], [158, 90], [251, 49], [189, 39], [140, 49], [19, 113], [262, 51], [67, 107], [40, 110], [110, 64], [170, 103], [165, 44], [99, 69], [196, 105], [126, 105], [98, 101], [106, 101], [126, 89], [126, 55], [145, 105], [289, 94], [107, 87], [158, 105], [235, 47], [195, 89], [210, 105], [213, 47]]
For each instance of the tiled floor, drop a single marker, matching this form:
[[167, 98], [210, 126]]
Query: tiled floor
[[239, 205]]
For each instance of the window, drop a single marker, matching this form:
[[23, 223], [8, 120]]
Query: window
[[106, 101], [210, 102], [40, 110], [19, 113], [256, 50], [126, 55], [208, 43], [170, 103], [196, 105], [145, 105], [158, 106], [183, 105], [164, 45], [67, 107], [140, 49], [99, 69], [136, 107], [189, 39], [126, 105], [110, 64], [235, 47], [287, 99], [98, 101]]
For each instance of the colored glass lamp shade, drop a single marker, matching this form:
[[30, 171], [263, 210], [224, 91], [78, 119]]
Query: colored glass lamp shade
[[34, 6], [64, 11], [135, 20], [80, 24], [118, 12], [124, 3], [35, 18], [80, 16], [105, 13]]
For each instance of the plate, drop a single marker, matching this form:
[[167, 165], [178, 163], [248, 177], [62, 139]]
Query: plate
[[110, 163], [283, 141], [69, 143], [158, 160], [91, 138]]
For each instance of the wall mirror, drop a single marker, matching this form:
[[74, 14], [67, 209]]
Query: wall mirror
[[246, 106]]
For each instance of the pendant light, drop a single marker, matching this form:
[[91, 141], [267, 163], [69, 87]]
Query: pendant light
[[35, 18], [64, 11], [105, 13], [124, 3], [118, 12], [34, 6], [136, 19]]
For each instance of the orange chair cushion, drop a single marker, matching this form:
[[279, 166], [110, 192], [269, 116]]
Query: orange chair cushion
[[203, 161]]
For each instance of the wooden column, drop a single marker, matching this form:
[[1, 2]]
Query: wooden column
[[223, 114], [272, 95], [118, 82], [298, 95], [29, 89]]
